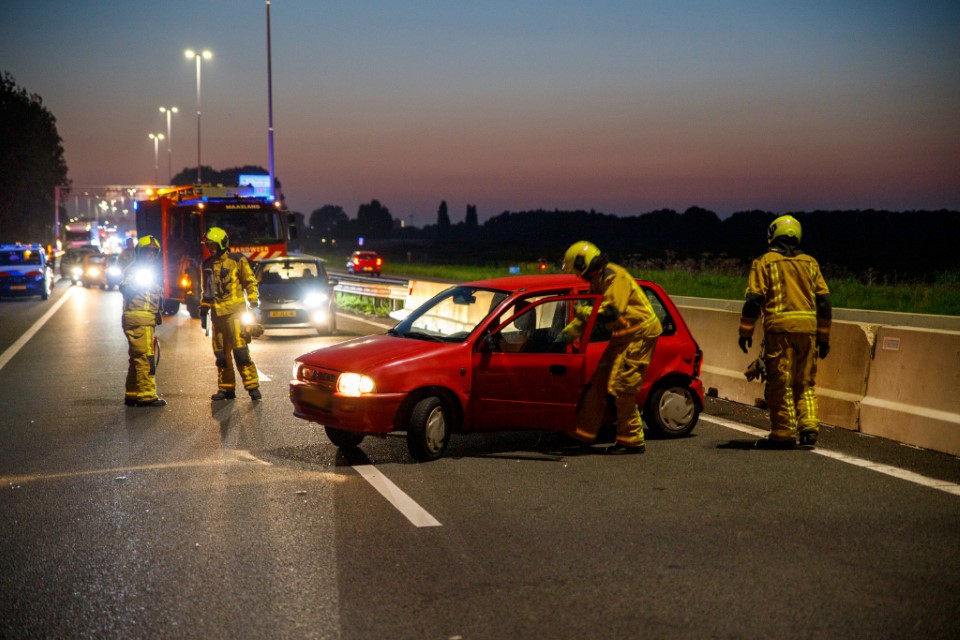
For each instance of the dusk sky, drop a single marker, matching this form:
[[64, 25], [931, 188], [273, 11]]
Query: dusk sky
[[619, 106]]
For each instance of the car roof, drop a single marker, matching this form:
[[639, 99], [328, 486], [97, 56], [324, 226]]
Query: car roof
[[538, 282], [299, 257]]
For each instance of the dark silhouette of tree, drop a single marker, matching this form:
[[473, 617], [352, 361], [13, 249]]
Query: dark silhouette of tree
[[443, 217], [31, 164], [470, 222], [374, 220], [325, 220]]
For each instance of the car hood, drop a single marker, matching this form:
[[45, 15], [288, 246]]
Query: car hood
[[361, 355]]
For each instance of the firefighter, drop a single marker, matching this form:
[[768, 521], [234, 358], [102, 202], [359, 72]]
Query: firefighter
[[142, 292], [227, 277], [786, 286], [627, 314]]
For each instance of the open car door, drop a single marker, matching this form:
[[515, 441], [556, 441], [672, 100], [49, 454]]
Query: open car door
[[524, 375]]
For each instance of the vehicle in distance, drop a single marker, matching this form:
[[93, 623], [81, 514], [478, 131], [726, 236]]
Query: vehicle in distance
[[94, 270], [71, 263], [364, 262], [24, 271], [486, 356], [296, 293]]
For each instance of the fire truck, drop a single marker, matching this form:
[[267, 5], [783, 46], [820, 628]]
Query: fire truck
[[180, 216]]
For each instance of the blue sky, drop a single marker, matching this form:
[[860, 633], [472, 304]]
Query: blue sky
[[622, 107]]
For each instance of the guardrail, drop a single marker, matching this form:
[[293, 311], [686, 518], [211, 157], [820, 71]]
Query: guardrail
[[891, 375]]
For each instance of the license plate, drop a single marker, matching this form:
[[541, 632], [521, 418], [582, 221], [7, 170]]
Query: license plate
[[316, 397], [18, 287], [283, 313]]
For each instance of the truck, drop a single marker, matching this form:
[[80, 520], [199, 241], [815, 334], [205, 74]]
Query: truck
[[81, 233], [258, 227]]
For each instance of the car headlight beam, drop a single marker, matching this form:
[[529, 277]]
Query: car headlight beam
[[355, 384]]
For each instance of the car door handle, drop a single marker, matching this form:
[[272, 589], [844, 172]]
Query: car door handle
[[558, 370]]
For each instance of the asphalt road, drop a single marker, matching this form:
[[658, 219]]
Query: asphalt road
[[237, 520]]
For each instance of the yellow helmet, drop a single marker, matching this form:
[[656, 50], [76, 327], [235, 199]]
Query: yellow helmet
[[217, 236], [581, 258], [784, 226], [147, 243]]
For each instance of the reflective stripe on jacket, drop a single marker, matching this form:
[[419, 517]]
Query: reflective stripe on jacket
[[226, 278], [786, 288]]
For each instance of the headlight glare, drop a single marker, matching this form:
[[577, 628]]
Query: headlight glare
[[355, 384], [314, 299]]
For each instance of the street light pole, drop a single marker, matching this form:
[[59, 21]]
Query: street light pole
[[205, 55], [156, 137], [273, 193], [169, 141]]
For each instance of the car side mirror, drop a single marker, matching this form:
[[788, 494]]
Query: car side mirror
[[490, 343]]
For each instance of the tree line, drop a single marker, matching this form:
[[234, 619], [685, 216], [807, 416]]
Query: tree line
[[914, 245]]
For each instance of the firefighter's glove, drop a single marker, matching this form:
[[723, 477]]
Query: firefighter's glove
[[745, 343], [757, 369], [823, 348]]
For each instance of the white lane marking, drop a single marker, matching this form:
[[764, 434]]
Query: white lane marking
[[22, 340], [262, 376], [395, 496], [896, 472]]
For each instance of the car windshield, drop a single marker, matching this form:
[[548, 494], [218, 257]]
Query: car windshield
[[25, 256], [291, 271], [450, 316]]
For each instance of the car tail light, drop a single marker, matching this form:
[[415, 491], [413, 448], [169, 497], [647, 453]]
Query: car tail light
[[379, 261], [697, 363]]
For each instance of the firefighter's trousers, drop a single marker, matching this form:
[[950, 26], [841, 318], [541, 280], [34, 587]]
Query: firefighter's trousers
[[791, 360], [141, 372], [619, 373], [229, 344]]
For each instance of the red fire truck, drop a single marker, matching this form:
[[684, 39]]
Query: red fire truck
[[180, 216]]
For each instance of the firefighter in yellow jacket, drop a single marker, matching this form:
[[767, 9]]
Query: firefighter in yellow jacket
[[634, 327], [786, 286], [228, 286], [142, 292]]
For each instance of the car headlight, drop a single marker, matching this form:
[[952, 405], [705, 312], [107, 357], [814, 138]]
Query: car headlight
[[314, 299], [76, 271], [355, 384], [93, 272], [115, 272]]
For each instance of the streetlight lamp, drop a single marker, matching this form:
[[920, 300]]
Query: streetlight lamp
[[191, 54], [169, 140], [156, 137]]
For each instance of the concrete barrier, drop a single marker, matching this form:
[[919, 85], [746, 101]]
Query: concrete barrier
[[913, 392]]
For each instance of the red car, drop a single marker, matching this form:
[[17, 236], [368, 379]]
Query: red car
[[364, 262], [485, 356]]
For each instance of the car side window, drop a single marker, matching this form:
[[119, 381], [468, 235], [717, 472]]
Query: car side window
[[666, 320], [538, 325]]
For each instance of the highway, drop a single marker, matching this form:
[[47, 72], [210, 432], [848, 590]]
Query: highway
[[237, 520]]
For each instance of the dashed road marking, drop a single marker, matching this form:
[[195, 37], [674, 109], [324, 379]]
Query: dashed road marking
[[412, 511], [896, 472]]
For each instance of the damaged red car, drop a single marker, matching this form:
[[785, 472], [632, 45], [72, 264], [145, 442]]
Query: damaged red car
[[487, 356]]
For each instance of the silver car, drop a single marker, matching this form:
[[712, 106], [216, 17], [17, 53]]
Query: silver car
[[296, 293]]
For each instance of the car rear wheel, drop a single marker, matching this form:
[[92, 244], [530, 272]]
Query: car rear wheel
[[344, 439], [429, 430], [672, 411], [171, 307]]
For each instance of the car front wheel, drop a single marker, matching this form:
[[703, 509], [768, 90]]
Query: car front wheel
[[429, 430], [672, 411], [344, 439]]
